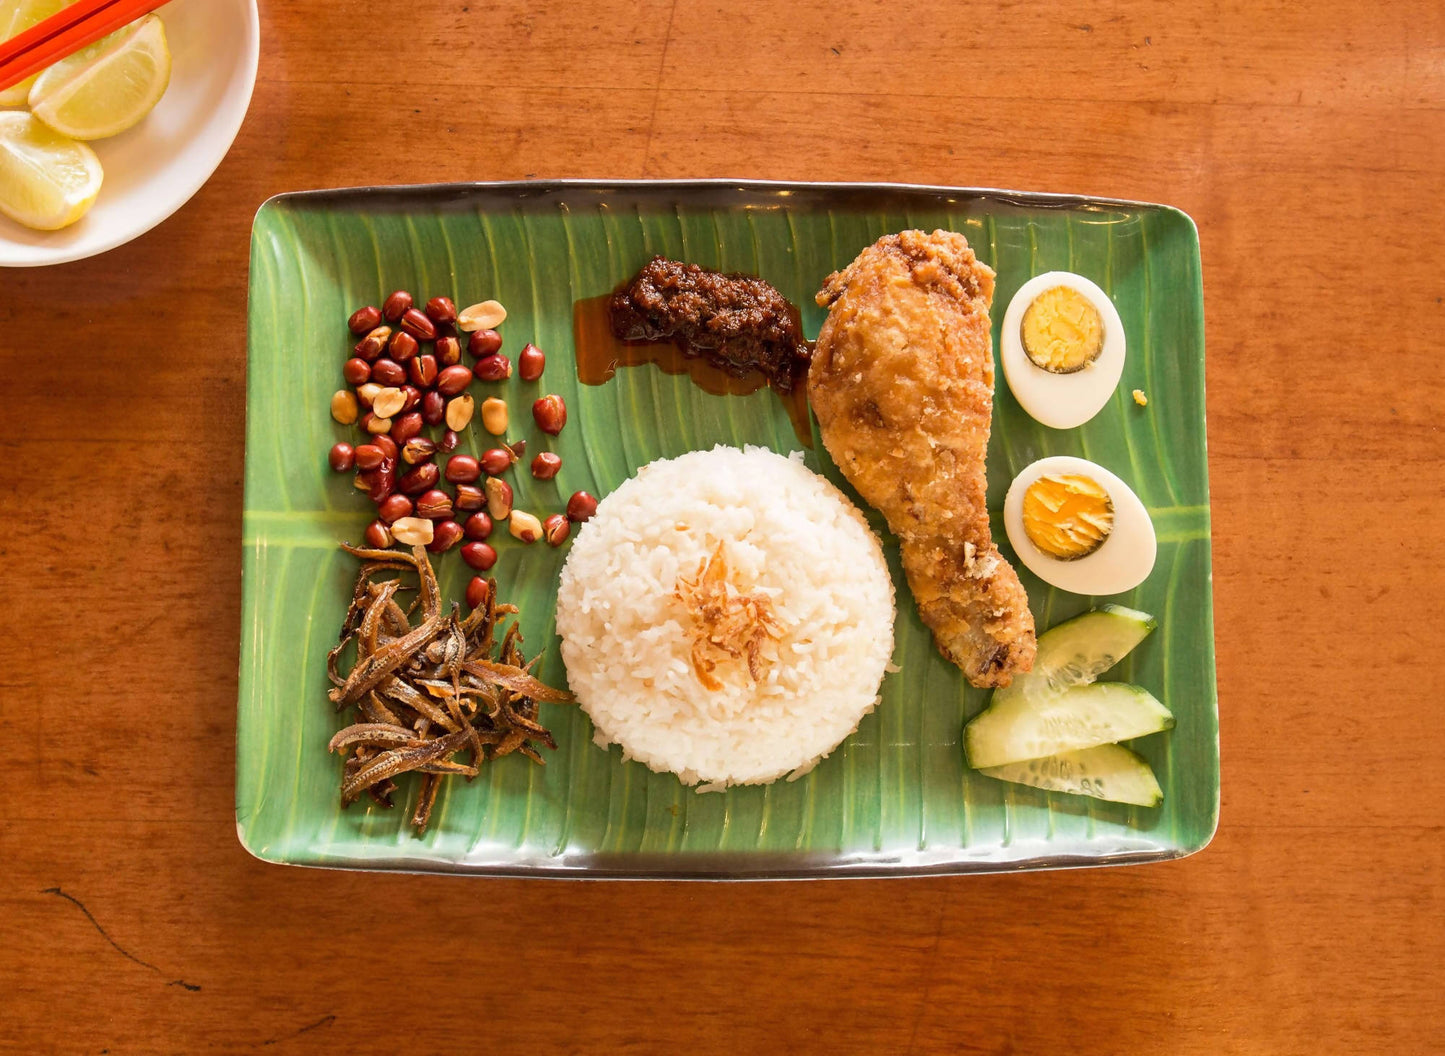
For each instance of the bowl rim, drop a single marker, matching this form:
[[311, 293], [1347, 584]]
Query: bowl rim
[[250, 64]]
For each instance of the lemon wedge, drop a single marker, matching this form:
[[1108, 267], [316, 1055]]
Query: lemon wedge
[[107, 87], [16, 16], [47, 181]]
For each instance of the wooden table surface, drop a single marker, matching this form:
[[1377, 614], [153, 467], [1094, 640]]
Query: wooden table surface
[[1306, 141]]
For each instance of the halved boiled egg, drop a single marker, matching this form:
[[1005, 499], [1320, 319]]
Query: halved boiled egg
[[1062, 348], [1078, 527]]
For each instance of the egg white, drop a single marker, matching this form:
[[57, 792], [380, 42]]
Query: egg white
[[1123, 561], [1061, 401]]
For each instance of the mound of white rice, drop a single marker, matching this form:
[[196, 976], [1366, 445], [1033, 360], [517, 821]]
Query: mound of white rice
[[788, 534]]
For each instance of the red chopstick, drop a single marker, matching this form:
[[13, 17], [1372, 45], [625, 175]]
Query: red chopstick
[[46, 43]]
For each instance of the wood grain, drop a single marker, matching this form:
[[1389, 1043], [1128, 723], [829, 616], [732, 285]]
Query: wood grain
[[1304, 139]]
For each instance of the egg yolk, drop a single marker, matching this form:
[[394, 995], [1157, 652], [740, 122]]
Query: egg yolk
[[1067, 516], [1062, 331]]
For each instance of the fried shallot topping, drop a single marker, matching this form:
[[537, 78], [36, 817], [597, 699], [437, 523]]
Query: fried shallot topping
[[423, 693], [726, 623]]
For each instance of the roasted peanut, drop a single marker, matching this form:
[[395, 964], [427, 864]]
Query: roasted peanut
[[388, 403], [441, 311], [550, 414], [374, 343], [556, 529], [462, 469], [493, 368], [524, 526], [406, 427], [445, 535], [494, 415], [423, 371], [477, 589], [499, 498], [412, 531], [420, 478], [484, 343], [435, 505], [480, 556], [395, 306], [369, 456], [469, 497], [459, 411], [388, 372], [402, 347], [478, 526], [383, 482], [388, 447], [375, 423], [497, 460], [581, 506], [378, 535], [433, 407], [356, 371], [452, 380], [363, 320], [448, 351], [393, 508], [546, 465], [531, 361], [342, 457], [417, 450], [343, 407], [487, 315], [418, 325]]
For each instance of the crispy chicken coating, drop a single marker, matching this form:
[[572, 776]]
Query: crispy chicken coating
[[902, 384]]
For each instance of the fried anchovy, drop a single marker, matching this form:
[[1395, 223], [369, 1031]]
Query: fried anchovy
[[516, 718], [443, 766], [334, 655], [427, 692], [515, 680], [403, 693], [371, 622], [431, 594], [376, 666], [510, 743], [373, 709], [374, 733], [399, 761], [430, 785]]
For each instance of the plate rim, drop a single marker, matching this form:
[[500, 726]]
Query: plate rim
[[863, 869], [1042, 199]]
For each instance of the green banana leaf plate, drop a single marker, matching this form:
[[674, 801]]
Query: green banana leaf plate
[[896, 798]]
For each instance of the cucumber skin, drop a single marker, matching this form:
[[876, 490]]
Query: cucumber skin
[[1099, 766], [1059, 632], [1012, 712], [1132, 614], [1044, 678]]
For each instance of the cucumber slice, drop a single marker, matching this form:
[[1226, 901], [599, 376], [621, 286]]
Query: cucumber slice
[[1032, 726], [1107, 772], [1077, 651]]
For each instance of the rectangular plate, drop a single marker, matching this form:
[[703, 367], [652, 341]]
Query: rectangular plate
[[895, 798]]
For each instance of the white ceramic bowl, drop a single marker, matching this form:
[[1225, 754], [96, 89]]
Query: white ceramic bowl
[[153, 169]]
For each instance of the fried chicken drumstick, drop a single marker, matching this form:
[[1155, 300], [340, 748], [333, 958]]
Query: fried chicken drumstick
[[902, 384]]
